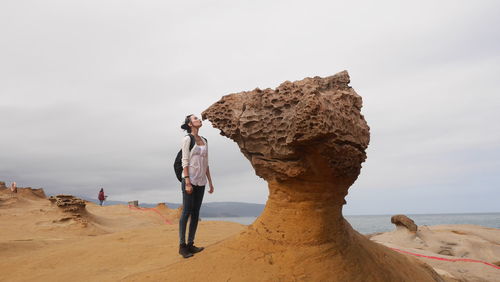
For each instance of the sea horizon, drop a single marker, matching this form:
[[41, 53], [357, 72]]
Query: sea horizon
[[368, 224]]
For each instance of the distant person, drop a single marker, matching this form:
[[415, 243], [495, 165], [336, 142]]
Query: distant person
[[101, 196], [13, 187], [195, 173]]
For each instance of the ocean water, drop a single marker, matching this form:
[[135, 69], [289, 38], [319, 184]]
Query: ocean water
[[367, 224]]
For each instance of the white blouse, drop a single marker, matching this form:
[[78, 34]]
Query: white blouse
[[196, 160]]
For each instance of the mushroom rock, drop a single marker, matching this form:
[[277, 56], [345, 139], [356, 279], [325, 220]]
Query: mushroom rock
[[405, 222], [307, 139]]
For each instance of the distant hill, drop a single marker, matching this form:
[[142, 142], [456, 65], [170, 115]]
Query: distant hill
[[230, 209], [213, 209]]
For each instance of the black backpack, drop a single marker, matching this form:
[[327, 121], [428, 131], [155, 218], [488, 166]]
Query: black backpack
[[178, 159]]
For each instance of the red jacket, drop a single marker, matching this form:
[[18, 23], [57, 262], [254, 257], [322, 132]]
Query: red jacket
[[101, 196]]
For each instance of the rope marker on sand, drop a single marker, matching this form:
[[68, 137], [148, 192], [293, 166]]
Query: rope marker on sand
[[445, 259]]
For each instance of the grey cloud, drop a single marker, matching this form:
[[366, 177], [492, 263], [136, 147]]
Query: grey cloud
[[93, 93]]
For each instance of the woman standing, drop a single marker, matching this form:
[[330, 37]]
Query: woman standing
[[195, 173], [101, 197], [13, 187]]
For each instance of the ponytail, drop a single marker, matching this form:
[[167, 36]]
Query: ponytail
[[185, 125]]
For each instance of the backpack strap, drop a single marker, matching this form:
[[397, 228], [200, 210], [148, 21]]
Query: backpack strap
[[193, 141], [191, 144]]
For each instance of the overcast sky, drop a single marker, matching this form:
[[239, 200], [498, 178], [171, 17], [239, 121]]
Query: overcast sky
[[92, 93]]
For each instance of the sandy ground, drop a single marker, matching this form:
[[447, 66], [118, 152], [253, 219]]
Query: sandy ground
[[121, 244], [117, 242]]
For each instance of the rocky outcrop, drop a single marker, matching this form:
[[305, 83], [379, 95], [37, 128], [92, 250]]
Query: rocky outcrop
[[32, 193], [68, 203], [72, 206], [24, 193], [401, 220], [20, 196], [454, 242], [307, 139], [162, 206]]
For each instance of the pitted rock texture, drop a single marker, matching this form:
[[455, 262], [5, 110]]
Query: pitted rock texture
[[68, 203], [404, 221], [307, 139], [73, 206], [283, 131]]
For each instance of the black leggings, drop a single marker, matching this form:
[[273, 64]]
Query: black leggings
[[191, 207]]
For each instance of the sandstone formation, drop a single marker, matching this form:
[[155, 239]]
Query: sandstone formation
[[453, 242], [162, 206], [29, 192], [22, 195], [307, 139], [403, 221], [74, 207]]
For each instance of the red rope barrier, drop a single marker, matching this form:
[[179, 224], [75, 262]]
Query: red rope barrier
[[445, 259], [153, 209]]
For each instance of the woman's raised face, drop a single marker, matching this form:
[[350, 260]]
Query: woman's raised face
[[195, 121]]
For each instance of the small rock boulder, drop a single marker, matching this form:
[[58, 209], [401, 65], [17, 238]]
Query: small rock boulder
[[404, 221], [162, 206]]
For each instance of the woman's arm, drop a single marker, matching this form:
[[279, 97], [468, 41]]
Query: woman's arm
[[209, 177], [185, 153], [210, 181], [185, 163]]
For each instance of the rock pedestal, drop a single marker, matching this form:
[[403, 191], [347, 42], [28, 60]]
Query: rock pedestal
[[307, 139]]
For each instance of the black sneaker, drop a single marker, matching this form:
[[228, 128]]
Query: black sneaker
[[184, 251], [193, 249]]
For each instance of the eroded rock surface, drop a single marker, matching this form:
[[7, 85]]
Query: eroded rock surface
[[22, 195], [404, 221], [73, 206], [68, 203], [283, 131], [31, 192], [307, 139]]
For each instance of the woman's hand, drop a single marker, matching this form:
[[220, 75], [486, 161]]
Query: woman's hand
[[189, 187], [211, 189]]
